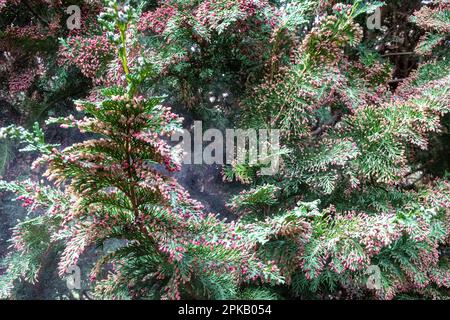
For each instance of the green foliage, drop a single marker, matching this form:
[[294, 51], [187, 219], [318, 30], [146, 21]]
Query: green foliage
[[258, 294], [352, 146], [5, 156], [429, 42], [34, 237], [115, 190], [354, 191], [33, 140], [255, 199]]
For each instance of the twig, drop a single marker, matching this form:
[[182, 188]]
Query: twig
[[397, 80], [399, 54]]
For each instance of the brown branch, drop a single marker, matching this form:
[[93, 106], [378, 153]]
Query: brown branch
[[396, 80], [406, 53]]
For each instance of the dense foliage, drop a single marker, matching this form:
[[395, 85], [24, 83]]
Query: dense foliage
[[364, 123]]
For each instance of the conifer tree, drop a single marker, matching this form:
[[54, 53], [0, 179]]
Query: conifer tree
[[352, 145], [113, 187], [359, 207]]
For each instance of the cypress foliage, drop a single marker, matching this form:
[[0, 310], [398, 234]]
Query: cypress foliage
[[358, 209]]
